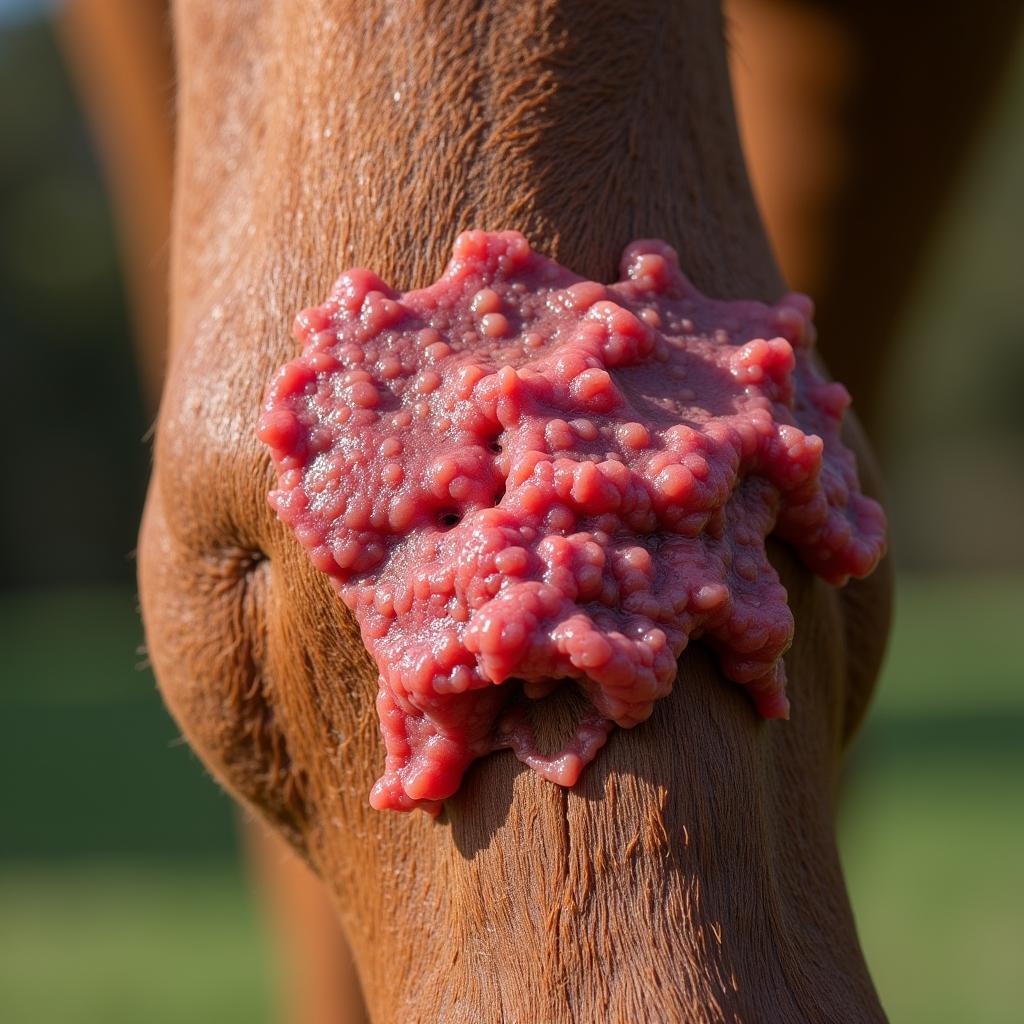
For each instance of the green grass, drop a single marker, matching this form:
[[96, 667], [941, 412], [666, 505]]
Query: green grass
[[933, 853], [122, 944], [120, 899], [933, 821], [97, 766], [955, 646]]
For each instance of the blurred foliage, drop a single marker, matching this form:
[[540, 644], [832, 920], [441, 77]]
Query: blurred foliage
[[954, 443], [70, 389]]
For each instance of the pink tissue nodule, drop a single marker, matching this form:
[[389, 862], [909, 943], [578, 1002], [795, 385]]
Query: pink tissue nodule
[[519, 474]]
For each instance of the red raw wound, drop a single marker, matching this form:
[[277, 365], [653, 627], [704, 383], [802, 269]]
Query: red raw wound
[[520, 474]]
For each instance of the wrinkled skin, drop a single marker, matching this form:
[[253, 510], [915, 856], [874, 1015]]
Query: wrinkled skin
[[692, 873]]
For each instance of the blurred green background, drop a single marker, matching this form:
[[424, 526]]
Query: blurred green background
[[122, 898]]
